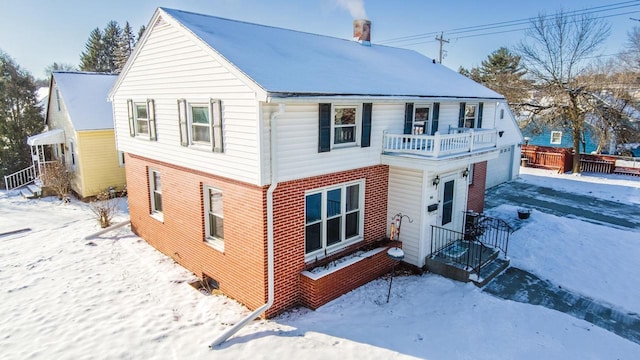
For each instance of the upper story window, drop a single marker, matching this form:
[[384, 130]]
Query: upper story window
[[155, 192], [470, 115], [142, 121], [72, 155], [421, 119], [142, 118], [333, 218], [214, 217], [345, 124], [470, 112], [201, 124]]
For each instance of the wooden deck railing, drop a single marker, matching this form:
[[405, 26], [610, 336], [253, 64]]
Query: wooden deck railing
[[438, 145], [561, 159]]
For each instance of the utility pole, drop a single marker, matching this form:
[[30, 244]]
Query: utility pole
[[441, 40]]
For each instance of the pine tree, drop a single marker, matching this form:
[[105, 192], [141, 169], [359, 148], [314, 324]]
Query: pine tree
[[92, 59], [20, 116], [111, 40], [502, 73], [125, 47]]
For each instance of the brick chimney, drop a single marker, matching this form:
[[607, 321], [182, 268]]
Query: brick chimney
[[362, 31]]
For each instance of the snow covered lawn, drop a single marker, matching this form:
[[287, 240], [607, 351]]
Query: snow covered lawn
[[115, 297]]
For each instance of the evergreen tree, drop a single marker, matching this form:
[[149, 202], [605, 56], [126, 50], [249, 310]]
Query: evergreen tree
[[20, 116], [125, 47], [502, 73], [56, 66], [92, 58], [141, 32], [111, 40]]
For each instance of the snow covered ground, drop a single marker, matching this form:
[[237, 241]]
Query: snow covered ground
[[115, 297]]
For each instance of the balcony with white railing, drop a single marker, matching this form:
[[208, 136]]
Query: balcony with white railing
[[459, 141]]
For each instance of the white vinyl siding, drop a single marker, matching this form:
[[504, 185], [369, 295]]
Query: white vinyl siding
[[172, 66], [405, 196]]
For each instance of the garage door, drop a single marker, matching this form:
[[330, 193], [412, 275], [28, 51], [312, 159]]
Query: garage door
[[499, 169]]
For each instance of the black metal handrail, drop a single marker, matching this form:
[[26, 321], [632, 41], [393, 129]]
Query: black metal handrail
[[469, 248]]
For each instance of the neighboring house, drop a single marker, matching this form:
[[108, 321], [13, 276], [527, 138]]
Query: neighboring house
[[80, 132], [242, 139]]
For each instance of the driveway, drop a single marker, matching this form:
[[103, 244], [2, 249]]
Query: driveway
[[522, 286], [559, 203]]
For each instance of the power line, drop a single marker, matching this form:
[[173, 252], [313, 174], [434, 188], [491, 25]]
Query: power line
[[515, 30], [506, 24]]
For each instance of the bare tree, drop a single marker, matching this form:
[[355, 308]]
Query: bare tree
[[105, 207], [556, 53]]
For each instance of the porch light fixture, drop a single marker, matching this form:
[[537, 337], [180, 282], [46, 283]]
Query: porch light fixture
[[436, 181], [465, 172], [500, 133]]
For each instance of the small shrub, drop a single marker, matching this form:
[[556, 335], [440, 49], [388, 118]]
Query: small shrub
[[105, 207], [56, 177]]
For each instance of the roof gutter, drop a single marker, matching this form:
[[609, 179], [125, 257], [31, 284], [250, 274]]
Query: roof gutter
[[270, 257]]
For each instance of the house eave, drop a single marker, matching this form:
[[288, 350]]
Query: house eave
[[300, 97]]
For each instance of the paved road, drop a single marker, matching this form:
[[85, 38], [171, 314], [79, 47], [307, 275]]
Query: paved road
[[561, 203], [522, 286]]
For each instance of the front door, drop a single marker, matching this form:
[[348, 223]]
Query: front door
[[447, 201]]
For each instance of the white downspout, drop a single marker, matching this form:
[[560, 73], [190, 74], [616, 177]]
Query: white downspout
[[270, 272]]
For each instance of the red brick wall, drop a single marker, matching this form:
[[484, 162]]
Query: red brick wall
[[289, 225], [477, 189], [240, 269], [315, 293]]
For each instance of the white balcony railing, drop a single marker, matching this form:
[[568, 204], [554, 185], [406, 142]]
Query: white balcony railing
[[457, 143]]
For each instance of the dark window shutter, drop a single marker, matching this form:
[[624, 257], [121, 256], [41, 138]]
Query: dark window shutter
[[216, 123], [366, 125], [408, 118], [461, 116], [479, 124], [182, 122], [132, 121], [324, 124], [152, 119], [436, 116]]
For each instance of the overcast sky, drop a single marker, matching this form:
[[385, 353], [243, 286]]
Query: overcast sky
[[38, 32]]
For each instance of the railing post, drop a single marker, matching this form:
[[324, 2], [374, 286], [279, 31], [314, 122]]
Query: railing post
[[436, 144], [471, 142]]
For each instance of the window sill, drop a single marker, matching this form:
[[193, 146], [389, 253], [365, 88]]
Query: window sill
[[158, 216], [216, 244], [344, 146], [319, 254]]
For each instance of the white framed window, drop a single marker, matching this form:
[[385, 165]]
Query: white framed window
[[142, 123], [556, 137], [141, 114], [345, 125], [200, 121], [213, 217], [334, 218], [201, 124], [421, 116], [155, 193], [470, 114]]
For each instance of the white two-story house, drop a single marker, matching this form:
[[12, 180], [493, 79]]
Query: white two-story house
[[254, 153]]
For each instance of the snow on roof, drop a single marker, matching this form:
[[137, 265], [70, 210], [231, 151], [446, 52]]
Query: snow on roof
[[85, 97], [290, 62]]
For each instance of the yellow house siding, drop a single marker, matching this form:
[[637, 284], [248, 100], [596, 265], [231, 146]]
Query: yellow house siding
[[98, 162]]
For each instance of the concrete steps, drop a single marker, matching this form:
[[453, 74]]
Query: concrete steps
[[31, 191]]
